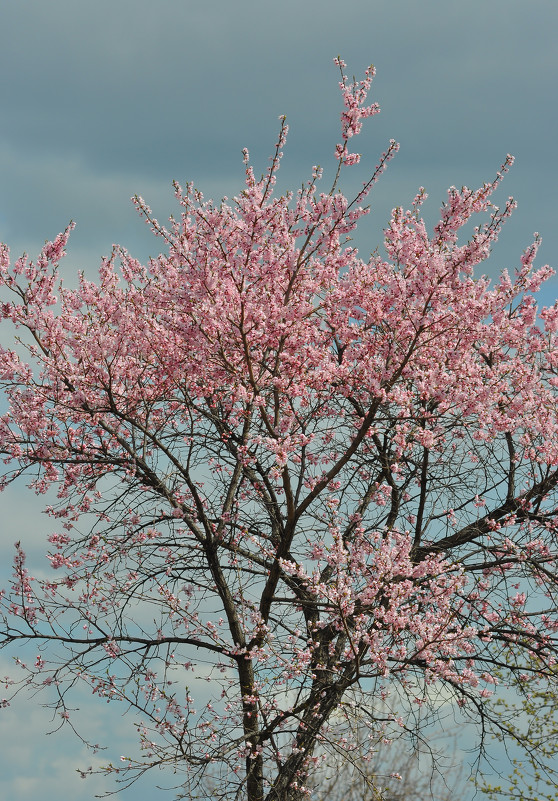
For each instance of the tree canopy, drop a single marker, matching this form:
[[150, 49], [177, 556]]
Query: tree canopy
[[326, 484]]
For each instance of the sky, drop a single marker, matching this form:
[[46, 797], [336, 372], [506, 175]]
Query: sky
[[100, 101]]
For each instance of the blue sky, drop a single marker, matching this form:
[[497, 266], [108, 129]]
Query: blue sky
[[103, 100]]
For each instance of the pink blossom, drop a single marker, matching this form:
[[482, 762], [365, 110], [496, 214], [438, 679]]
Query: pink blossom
[[301, 476]]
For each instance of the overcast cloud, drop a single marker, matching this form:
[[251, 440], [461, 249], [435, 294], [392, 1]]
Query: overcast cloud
[[102, 100]]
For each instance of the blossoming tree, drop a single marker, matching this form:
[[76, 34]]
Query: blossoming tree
[[324, 483]]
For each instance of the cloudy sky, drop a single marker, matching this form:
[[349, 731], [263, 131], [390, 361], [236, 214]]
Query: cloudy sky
[[101, 100]]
